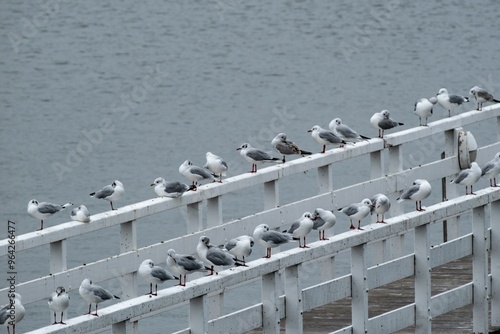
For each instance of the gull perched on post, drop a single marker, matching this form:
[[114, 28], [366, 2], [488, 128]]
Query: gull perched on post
[[481, 96], [357, 211], [184, 265], [44, 210], [421, 189], [94, 294], [323, 220], [423, 108], [286, 147], [468, 177], [255, 156], [172, 189], [270, 239], [59, 302], [382, 121], [449, 101], [216, 165], [111, 193], [344, 132], [325, 137]]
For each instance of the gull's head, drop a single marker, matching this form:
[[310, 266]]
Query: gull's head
[[418, 182], [308, 215], [281, 136], [337, 121], [442, 91], [204, 240], [314, 128], [116, 183], [367, 202], [474, 90], [33, 202], [243, 146], [497, 156], [433, 100], [60, 290], [385, 113], [157, 181], [171, 252], [264, 227]]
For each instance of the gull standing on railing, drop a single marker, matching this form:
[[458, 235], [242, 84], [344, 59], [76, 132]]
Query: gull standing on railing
[[153, 274], [450, 102], [111, 193], [344, 132], [173, 189], [420, 190], [94, 294], [255, 156], [216, 165], [6, 317], [80, 214], [323, 220], [270, 239], [325, 137], [214, 256], [240, 246], [491, 169], [184, 265], [423, 108], [59, 302], [382, 121], [301, 227], [468, 177], [357, 211], [481, 96], [286, 147], [44, 210], [194, 173], [380, 205]]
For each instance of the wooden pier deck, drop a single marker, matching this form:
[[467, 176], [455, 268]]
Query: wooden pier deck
[[331, 317]]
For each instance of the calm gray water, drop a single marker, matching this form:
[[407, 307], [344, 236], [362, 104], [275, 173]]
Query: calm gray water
[[94, 91]]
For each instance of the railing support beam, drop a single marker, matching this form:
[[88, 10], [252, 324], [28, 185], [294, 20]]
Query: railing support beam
[[422, 280], [480, 270], [293, 300], [359, 290], [270, 303]]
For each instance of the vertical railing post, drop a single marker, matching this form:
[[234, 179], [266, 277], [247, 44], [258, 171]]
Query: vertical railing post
[[214, 211], [128, 242], [452, 224], [378, 252], [325, 181], [395, 166], [198, 315], [293, 300], [58, 256], [423, 316], [124, 327], [216, 305], [270, 303], [480, 270], [271, 195], [194, 217], [495, 262], [359, 290]]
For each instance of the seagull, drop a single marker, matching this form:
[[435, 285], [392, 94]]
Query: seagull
[[59, 302], [325, 137], [421, 189], [111, 193], [323, 220], [286, 147], [423, 108], [255, 156], [344, 132], [184, 264], [380, 205], [173, 189], [240, 246], [216, 165], [468, 177], [382, 121], [195, 173], [357, 211], [153, 274], [80, 214], [94, 294], [214, 256], [7, 318], [491, 169], [270, 239], [450, 102], [301, 227], [44, 210], [481, 96]]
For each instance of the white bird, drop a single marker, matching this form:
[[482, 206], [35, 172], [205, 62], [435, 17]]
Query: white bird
[[325, 137], [184, 265], [344, 132], [59, 302], [468, 177], [286, 147], [216, 165], [213, 256], [255, 156], [270, 239], [44, 210], [491, 169], [481, 96], [301, 227], [94, 294], [10, 316], [323, 220], [380, 205], [153, 274], [194, 173], [420, 190], [450, 102], [80, 214], [240, 246], [382, 121], [423, 108], [357, 211], [111, 193], [172, 189]]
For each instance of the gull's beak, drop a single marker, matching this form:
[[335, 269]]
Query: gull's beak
[[310, 130]]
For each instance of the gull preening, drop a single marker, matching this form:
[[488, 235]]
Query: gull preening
[[420, 190], [112, 192], [44, 210], [7, 318], [357, 211], [94, 294], [382, 121], [184, 264], [481, 95], [153, 275], [325, 137], [301, 227], [468, 177], [423, 108], [323, 220], [173, 189], [491, 169], [286, 147], [449, 101], [216, 165], [344, 132], [80, 214], [59, 302], [213, 256], [270, 239], [255, 156], [194, 173], [240, 246], [380, 205]]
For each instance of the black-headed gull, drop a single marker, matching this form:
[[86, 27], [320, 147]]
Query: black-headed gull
[[301, 227], [423, 108], [44, 210], [270, 239], [80, 214], [255, 156], [59, 302], [323, 220], [325, 137], [468, 177], [491, 169], [383, 121], [450, 101], [481, 95], [240, 246], [213, 256], [344, 132], [171, 189], [7, 318], [184, 264], [154, 275], [357, 211], [420, 190], [216, 165], [194, 173], [380, 205], [112, 192], [286, 147], [94, 294]]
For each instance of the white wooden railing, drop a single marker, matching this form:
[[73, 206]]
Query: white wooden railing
[[389, 178]]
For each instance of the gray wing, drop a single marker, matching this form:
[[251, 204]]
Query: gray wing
[[461, 176], [176, 187], [386, 124], [223, 163], [219, 257], [486, 168], [230, 244], [49, 208], [318, 222], [200, 171], [161, 274], [347, 132], [259, 155], [105, 192], [276, 237], [410, 192], [329, 136], [350, 210], [4, 315], [286, 148], [457, 99], [295, 225], [100, 292], [188, 262]]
